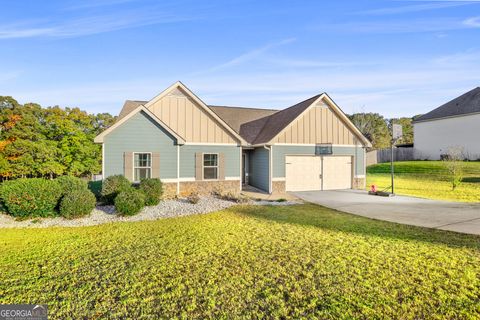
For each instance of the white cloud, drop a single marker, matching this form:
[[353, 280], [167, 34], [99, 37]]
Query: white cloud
[[416, 7], [91, 25], [393, 26], [397, 26], [459, 58], [473, 22], [300, 63], [251, 55], [7, 76], [85, 4]]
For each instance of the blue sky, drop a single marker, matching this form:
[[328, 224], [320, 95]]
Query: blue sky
[[398, 58]]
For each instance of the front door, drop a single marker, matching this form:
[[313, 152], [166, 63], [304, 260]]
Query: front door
[[244, 168]]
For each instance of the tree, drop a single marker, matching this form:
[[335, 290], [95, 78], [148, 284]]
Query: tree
[[374, 127], [454, 165], [407, 129], [8, 120], [47, 142]]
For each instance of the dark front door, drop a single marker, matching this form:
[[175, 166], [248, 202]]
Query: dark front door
[[244, 171]]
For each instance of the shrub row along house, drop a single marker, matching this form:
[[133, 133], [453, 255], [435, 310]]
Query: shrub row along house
[[194, 147]]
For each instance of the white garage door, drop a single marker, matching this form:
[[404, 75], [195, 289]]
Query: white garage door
[[303, 173], [337, 173]]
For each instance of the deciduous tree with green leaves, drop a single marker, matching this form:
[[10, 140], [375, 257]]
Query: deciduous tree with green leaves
[[48, 142], [374, 127]]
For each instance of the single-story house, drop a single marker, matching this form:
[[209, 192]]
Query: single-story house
[[192, 146], [452, 125]]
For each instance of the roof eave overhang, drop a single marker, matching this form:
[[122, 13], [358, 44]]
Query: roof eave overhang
[[448, 117]]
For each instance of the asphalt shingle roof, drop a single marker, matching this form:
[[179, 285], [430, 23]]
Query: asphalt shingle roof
[[236, 116], [255, 125], [129, 106], [467, 103]]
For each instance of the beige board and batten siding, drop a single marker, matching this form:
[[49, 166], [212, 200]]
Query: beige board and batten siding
[[184, 116], [317, 125]]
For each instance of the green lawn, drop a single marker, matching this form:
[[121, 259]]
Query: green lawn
[[301, 261], [427, 179]]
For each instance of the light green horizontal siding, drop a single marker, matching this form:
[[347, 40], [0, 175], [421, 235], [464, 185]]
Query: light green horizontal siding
[[187, 159], [259, 163], [279, 153], [140, 133]]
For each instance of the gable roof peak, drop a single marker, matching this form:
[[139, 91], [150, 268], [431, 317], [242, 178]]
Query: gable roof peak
[[272, 125]]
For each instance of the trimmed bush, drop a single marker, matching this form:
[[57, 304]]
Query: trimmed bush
[[25, 198], [152, 189], [77, 203], [96, 188], [129, 202], [70, 184], [112, 186], [193, 198]]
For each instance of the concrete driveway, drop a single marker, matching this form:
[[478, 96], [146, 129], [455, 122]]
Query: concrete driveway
[[453, 216]]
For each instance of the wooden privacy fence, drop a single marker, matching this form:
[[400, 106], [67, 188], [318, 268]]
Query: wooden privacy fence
[[383, 155]]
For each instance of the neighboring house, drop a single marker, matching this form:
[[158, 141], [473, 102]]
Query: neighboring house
[[454, 124], [191, 146]]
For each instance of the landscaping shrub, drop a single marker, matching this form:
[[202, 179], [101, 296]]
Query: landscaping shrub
[[112, 186], [231, 196], [26, 198], [70, 184], [96, 188], [77, 203], [129, 202], [152, 189], [193, 198]]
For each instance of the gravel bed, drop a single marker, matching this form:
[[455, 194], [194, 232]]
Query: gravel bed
[[107, 214]]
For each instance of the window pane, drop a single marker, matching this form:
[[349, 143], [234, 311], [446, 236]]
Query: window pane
[[142, 160], [142, 173], [148, 160], [210, 173], [210, 160], [137, 159]]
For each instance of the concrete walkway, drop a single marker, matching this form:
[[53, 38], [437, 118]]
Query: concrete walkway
[[453, 216], [255, 193]]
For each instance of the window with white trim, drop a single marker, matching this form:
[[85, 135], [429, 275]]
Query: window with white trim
[[142, 166], [210, 166]]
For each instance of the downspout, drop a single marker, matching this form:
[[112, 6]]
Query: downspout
[[269, 167]]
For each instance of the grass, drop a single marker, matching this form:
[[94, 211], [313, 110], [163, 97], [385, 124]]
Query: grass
[[427, 179], [302, 261]]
